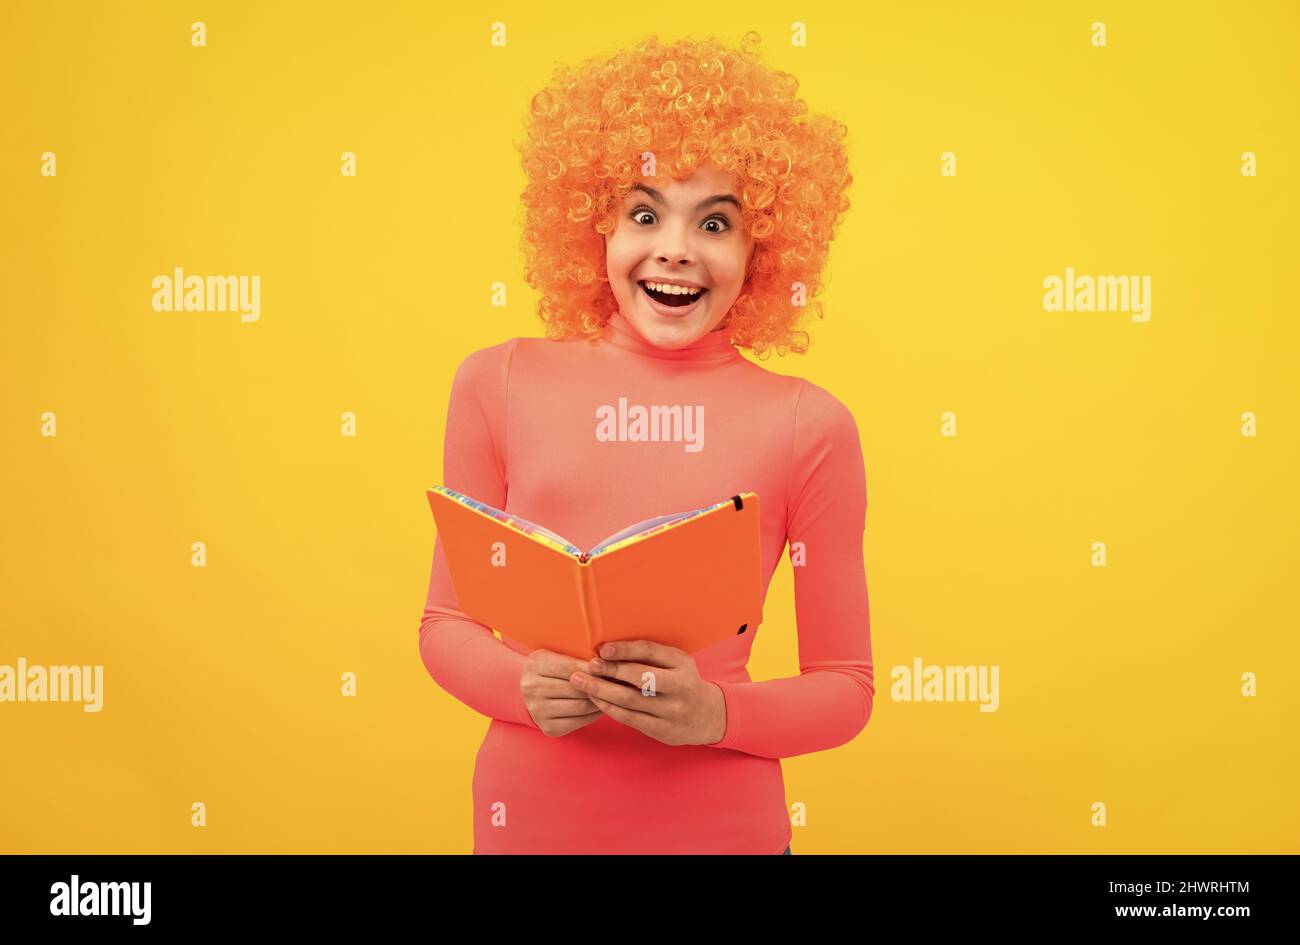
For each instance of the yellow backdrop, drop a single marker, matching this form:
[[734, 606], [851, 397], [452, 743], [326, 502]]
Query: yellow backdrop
[[1010, 449]]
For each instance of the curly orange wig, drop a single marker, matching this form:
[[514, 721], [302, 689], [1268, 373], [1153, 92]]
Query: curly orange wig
[[689, 104]]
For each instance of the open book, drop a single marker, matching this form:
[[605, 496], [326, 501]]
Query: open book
[[687, 579]]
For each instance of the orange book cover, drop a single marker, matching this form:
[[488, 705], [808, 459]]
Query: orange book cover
[[688, 579]]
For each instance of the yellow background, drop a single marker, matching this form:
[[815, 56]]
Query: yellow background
[[222, 684]]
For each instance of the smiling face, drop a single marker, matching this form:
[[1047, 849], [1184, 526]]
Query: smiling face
[[686, 232]]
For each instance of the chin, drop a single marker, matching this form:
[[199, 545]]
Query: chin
[[656, 325]]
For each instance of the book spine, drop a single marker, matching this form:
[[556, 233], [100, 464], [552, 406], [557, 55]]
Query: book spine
[[589, 603]]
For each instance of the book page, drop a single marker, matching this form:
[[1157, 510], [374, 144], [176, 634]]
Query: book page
[[635, 529], [518, 522], [652, 525]]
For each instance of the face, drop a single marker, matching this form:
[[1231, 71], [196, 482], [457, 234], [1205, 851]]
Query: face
[[686, 232]]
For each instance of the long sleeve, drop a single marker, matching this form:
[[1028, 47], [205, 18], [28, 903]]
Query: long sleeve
[[830, 701], [462, 655]]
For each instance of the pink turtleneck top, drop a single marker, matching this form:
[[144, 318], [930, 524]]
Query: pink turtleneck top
[[521, 436]]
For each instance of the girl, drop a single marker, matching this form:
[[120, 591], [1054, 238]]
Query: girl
[[678, 209]]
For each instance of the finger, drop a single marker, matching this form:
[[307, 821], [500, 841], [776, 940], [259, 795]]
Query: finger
[[625, 696], [634, 674], [566, 708], [556, 665], [647, 724], [547, 687], [646, 651]]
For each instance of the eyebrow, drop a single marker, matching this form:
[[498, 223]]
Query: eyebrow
[[706, 202]]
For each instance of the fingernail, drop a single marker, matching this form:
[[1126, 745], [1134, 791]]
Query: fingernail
[[597, 666], [576, 679], [607, 650]]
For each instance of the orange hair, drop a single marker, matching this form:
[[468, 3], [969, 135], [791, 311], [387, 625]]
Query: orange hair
[[691, 104]]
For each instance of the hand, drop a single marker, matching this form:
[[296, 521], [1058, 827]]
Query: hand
[[556, 706], [657, 690]]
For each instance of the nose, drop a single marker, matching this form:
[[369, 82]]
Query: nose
[[678, 259], [673, 250]]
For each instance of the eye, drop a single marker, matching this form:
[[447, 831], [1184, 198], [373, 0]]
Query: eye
[[636, 214]]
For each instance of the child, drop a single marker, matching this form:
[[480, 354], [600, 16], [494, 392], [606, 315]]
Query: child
[[678, 208]]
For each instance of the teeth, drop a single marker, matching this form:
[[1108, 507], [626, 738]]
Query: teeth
[[672, 289]]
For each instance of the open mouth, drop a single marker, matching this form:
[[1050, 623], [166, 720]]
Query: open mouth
[[672, 300]]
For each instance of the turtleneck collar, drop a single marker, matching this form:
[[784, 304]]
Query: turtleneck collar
[[714, 346]]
